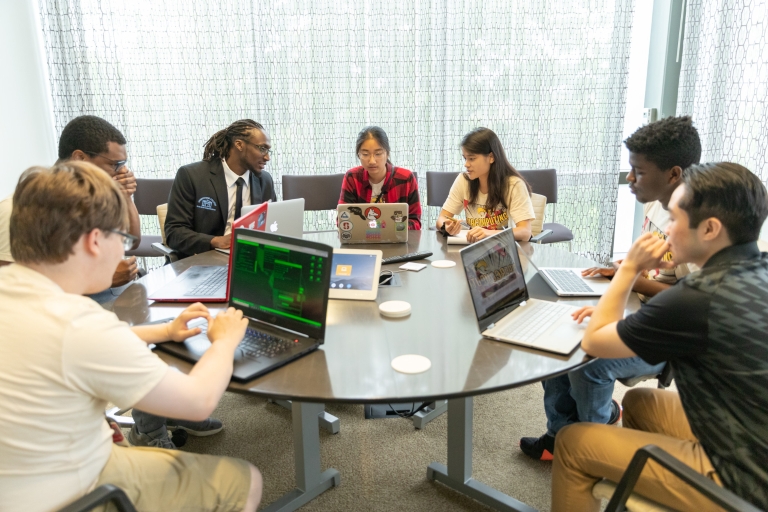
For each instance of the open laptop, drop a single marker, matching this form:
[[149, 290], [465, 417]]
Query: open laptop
[[208, 283], [281, 284], [503, 308], [283, 217], [372, 223], [568, 282]]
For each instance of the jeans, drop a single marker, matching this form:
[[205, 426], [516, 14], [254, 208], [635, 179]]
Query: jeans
[[146, 422], [585, 394]]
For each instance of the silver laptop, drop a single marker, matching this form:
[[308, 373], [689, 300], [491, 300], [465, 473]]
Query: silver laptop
[[372, 223], [568, 282], [283, 217], [503, 308]]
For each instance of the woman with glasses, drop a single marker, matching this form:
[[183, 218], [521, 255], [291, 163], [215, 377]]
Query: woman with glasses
[[377, 180], [491, 193]]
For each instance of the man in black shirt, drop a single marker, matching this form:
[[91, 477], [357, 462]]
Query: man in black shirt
[[713, 328]]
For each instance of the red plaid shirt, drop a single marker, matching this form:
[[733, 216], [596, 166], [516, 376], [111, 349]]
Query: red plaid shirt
[[400, 187]]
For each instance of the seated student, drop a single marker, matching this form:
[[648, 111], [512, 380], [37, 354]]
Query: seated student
[[492, 194], [377, 180], [208, 196], [658, 153], [711, 326], [94, 140], [63, 358]]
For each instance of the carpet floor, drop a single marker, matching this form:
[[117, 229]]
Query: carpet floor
[[383, 462]]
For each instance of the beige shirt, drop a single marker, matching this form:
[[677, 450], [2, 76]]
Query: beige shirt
[[231, 179], [490, 216], [62, 358], [6, 205]]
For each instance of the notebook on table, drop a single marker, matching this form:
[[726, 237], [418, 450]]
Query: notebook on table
[[208, 283], [503, 308], [281, 284], [372, 223]]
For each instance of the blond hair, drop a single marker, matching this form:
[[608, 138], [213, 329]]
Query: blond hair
[[53, 208]]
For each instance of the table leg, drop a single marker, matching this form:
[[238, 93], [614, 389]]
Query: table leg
[[458, 474], [327, 421], [310, 482], [421, 418]]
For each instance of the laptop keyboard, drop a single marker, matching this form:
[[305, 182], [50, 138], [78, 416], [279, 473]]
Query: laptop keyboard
[[538, 317], [256, 343], [212, 284], [567, 281]]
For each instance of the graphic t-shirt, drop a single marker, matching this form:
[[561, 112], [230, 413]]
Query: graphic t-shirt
[[656, 222], [481, 214]]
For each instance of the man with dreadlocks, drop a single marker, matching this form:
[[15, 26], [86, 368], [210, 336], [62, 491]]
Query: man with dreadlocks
[[208, 196]]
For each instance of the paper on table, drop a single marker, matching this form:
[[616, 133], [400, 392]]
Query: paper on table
[[459, 239]]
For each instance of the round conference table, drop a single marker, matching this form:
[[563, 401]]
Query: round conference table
[[354, 363]]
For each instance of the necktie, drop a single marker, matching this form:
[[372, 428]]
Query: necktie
[[239, 197]]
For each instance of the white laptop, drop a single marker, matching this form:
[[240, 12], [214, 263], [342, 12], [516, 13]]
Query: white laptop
[[568, 282], [503, 308], [282, 218], [373, 223]]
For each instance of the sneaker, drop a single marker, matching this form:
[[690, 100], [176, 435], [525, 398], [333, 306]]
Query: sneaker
[[157, 438], [616, 411], [197, 428], [539, 448]]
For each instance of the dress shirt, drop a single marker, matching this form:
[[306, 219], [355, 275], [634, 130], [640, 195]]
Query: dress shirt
[[231, 178]]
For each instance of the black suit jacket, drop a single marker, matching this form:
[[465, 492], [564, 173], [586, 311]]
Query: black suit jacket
[[198, 205]]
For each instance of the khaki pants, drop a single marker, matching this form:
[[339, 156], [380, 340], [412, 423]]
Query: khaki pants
[[166, 480], [587, 452]]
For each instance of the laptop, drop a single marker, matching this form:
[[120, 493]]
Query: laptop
[[208, 283], [281, 284], [568, 282], [372, 223], [503, 308], [283, 217]]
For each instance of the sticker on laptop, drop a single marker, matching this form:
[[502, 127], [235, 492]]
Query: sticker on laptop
[[344, 216], [346, 225], [346, 236]]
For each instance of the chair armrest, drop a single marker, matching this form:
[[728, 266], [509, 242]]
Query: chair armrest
[[538, 238], [166, 251], [719, 495], [103, 494]]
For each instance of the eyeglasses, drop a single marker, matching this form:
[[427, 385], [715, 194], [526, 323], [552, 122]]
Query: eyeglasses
[[116, 164], [265, 150], [128, 240], [378, 155]]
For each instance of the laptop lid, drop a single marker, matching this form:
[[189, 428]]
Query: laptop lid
[[281, 280], [372, 223], [495, 276], [286, 217]]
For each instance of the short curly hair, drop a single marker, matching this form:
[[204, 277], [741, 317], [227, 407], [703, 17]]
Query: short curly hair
[[89, 134], [670, 142]]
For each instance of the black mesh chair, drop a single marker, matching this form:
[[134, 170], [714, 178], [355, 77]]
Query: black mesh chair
[[544, 182], [709, 489], [438, 186], [101, 495], [320, 192], [149, 194]]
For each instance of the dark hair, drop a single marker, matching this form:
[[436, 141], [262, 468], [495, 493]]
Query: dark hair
[[220, 144], [89, 134], [482, 141], [728, 192], [375, 133], [670, 142], [72, 198]]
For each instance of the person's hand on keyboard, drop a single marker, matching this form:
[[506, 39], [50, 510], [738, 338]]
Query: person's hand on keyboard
[[583, 313], [178, 329], [608, 272], [228, 327]]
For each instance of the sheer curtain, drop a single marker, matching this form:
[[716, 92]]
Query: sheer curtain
[[724, 80], [549, 77]]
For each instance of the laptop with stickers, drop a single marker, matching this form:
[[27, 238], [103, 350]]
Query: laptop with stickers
[[372, 223]]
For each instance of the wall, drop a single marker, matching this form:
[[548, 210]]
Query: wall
[[27, 135]]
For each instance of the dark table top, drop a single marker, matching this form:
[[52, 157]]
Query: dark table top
[[354, 364]]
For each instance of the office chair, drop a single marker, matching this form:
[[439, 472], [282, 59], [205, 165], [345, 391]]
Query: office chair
[[160, 246], [621, 497], [103, 494], [320, 192], [149, 193], [544, 182], [438, 187]]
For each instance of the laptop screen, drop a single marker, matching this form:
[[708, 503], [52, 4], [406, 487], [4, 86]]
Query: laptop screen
[[281, 280], [494, 274], [353, 271]]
